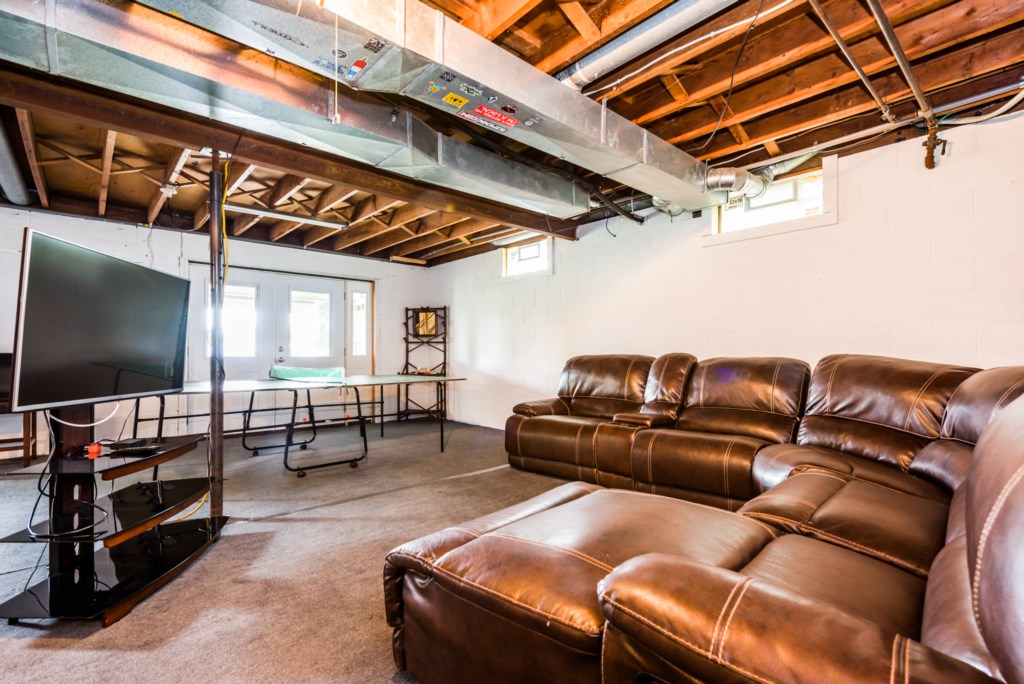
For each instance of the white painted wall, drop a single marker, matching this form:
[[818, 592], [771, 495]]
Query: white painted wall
[[922, 264], [397, 286]]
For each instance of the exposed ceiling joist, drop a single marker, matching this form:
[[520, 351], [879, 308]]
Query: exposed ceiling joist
[[109, 139], [162, 193], [28, 138]]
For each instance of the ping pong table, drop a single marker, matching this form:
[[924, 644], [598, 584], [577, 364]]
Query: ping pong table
[[295, 386]]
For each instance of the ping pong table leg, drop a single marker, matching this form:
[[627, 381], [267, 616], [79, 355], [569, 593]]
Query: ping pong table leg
[[362, 423], [289, 434], [246, 417]]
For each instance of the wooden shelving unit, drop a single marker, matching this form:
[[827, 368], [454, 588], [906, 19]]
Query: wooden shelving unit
[[106, 554], [426, 328]]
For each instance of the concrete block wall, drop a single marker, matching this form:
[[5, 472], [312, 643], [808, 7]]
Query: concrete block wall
[[921, 264], [396, 285]]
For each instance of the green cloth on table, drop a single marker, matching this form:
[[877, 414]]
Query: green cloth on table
[[312, 374]]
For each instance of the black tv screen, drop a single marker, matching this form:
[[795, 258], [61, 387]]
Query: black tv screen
[[92, 327]]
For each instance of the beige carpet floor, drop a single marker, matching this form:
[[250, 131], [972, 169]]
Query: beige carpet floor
[[293, 591]]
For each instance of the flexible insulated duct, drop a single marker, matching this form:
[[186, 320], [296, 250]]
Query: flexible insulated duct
[[755, 182]]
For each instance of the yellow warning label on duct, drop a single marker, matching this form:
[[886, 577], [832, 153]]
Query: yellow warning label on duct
[[454, 100]]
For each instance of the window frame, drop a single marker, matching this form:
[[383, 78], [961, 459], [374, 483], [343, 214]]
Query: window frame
[[828, 217]]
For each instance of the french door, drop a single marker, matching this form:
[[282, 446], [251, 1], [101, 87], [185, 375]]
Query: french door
[[278, 319]]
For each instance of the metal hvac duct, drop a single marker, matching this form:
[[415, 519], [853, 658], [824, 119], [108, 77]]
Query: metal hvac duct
[[755, 182], [404, 47], [126, 48], [12, 183]]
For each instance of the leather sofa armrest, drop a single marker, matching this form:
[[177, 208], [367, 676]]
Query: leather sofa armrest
[[542, 407], [716, 625], [644, 420]]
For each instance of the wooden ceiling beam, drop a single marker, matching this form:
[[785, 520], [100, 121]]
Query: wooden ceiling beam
[[240, 224], [355, 234], [426, 242], [781, 48], [28, 139], [666, 59], [109, 139], [461, 251], [429, 225], [284, 188], [567, 45], [332, 196], [948, 69], [493, 17], [581, 21], [173, 168], [44, 94], [941, 30], [283, 228]]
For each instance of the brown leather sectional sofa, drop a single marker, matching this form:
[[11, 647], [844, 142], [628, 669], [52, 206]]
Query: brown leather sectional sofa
[[855, 533]]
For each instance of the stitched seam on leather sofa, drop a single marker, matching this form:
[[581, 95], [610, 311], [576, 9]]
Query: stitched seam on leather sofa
[[866, 422], [841, 540], [846, 477], [917, 399], [775, 379], [493, 592], [475, 533], [725, 466], [780, 454], [703, 375], [572, 552], [721, 616], [990, 520], [683, 642], [787, 497], [732, 613], [625, 381], [828, 391], [1006, 394], [894, 659]]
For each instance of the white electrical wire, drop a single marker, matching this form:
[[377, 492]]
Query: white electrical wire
[[50, 416], [985, 117], [695, 41]]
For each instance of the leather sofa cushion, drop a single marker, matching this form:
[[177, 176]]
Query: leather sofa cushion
[[948, 622], [603, 385], [909, 396], [542, 407], [979, 399], [898, 528], [540, 572], [854, 583], [775, 462], [666, 384], [944, 461], [877, 407], [701, 461], [567, 441], [759, 397], [684, 621]]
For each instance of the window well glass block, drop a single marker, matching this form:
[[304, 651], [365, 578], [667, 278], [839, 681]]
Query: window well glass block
[[310, 323]]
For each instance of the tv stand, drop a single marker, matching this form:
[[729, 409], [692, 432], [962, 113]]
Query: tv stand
[[106, 554]]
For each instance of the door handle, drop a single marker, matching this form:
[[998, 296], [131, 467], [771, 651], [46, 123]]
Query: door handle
[[279, 359]]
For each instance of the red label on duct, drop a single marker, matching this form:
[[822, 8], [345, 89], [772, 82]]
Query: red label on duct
[[496, 116]]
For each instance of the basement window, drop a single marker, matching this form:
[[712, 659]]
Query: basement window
[[520, 259], [807, 200]]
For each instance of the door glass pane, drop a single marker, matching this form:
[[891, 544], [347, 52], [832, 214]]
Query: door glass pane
[[239, 321], [310, 321], [359, 326]]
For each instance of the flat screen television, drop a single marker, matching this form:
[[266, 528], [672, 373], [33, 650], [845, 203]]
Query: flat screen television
[[94, 328]]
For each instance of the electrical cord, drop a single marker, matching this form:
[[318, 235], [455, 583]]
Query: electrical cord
[[732, 78], [50, 416]]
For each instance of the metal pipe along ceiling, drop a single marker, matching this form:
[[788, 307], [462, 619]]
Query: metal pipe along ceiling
[[901, 58], [649, 34]]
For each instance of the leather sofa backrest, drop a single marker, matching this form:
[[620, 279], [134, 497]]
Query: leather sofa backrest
[[974, 404], [666, 384], [876, 407], [995, 527], [759, 397], [606, 384]]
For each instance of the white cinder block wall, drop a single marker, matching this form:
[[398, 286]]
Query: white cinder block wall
[[396, 286], [922, 264]]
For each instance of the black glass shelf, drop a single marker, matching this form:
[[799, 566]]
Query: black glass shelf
[[123, 575], [130, 511], [110, 466]]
